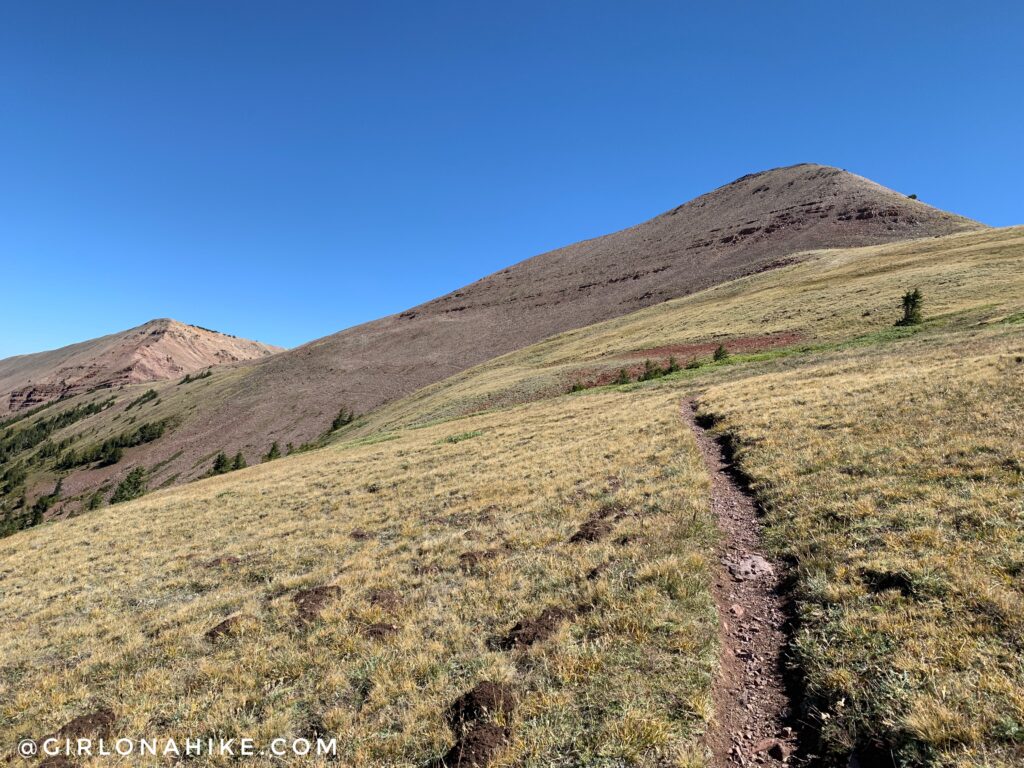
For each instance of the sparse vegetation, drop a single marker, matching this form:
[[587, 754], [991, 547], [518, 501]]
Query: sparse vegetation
[[111, 450], [132, 487], [145, 397], [190, 377], [344, 417]]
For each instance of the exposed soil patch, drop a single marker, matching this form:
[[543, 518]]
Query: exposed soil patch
[[96, 724], [219, 562], [225, 627], [742, 344], [358, 534], [592, 530], [385, 598], [486, 700], [471, 561], [378, 630], [754, 717], [310, 602], [532, 630], [476, 749], [471, 716]]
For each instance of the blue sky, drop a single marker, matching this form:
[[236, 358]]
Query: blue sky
[[281, 171]]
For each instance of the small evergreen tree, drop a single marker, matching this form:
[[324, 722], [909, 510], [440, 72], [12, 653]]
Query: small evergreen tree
[[673, 365], [693, 364], [721, 353], [623, 377], [344, 417], [238, 462], [132, 487], [651, 371], [96, 500], [221, 464], [912, 301], [273, 453]]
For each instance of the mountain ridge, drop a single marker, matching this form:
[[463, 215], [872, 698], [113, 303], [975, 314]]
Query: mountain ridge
[[156, 350]]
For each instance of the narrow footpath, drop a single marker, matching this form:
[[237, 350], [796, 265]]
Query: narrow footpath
[[754, 723]]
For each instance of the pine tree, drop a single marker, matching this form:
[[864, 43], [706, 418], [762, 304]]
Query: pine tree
[[239, 461], [721, 353], [221, 464], [273, 453], [912, 301], [623, 377]]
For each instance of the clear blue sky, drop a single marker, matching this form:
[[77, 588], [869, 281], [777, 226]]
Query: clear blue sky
[[282, 170]]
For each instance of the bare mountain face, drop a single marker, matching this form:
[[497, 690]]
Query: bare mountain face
[[160, 349], [755, 223]]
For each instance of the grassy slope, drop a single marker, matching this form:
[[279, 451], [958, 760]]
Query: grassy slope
[[893, 478], [119, 600], [884, 457]]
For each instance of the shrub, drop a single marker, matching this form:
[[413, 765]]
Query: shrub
[[577, 386], [623, 377], [693, 364], [912, 301], [238, 462], [132, 487], [221, 464], [96, 500], [344, 417], [721, 353], [145, 397], [912, 197], [673, 365], [651, 371], [273, 453], [189, 377]]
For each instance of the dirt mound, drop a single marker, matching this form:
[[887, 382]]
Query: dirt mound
[[476, 749], [96, 724], [532, 630], [485, 700], [226, 627], [309, 602], [384, 598]]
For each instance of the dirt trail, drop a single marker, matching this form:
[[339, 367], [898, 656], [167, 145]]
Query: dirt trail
[[754, 718]]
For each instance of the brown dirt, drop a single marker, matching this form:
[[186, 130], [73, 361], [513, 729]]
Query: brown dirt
[[384, 598], [532, 630], [486, 700], [754, 717], [471, 561], [592, 530], [477, 748], [96, 724], [225, 627], [684, 352], [378, 630], [310, 602]]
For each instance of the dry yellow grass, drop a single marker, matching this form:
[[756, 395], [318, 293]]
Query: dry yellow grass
[[893, 479], [110, 610], [889, 460]]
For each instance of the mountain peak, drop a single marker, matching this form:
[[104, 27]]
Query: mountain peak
[[159, 349]]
